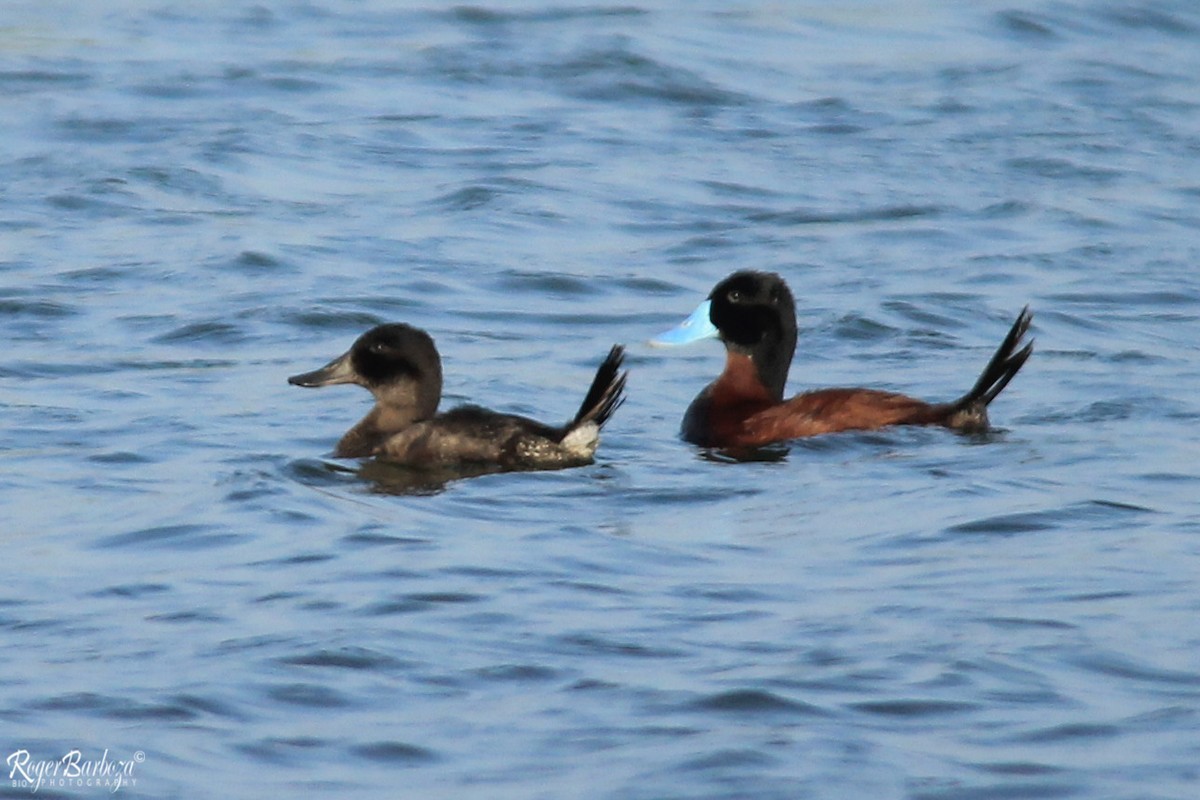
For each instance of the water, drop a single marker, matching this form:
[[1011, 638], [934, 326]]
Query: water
[[200, 201]]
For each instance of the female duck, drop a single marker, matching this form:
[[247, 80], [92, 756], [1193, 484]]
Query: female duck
[[400, 366], [755, 315]]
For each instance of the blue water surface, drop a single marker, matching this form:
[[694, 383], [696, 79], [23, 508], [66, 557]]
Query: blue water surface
[[198, 200]]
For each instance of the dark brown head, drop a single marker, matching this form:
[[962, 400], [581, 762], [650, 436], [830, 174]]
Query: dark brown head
[[397, 363]]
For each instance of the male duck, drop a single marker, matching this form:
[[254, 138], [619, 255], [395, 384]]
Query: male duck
[[754, 314]]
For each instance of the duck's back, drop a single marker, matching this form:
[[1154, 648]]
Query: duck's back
[[471, 434], [754, 421], [842, 409]]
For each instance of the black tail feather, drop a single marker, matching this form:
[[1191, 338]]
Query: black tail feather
[[607, 390], [1002, 368]]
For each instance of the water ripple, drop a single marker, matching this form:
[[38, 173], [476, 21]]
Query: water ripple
[[1103, 514], [212, 332], [122, 708], [284, 751], [184, 537], [395, 753], [419, 601], [813, 217], [754, 701], [915, 708], [309, 695], [585, 643]]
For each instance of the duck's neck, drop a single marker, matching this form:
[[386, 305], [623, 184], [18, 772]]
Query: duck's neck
[[715, 417], [741, 383], [773, 357], [375, 428]]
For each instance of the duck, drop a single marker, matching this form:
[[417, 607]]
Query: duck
[[754, 314], [400, 365]]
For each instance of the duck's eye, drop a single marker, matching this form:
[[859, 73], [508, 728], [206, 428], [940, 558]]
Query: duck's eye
[[379, 348], [735, 296]]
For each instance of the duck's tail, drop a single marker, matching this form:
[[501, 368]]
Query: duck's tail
[[970, 410], [606, 393], [580, 436]]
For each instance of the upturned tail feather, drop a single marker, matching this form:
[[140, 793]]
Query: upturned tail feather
[[1005, 364], [606, 393]]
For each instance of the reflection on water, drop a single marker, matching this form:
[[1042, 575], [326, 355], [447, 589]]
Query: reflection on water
[[388, 478], [734, 455]]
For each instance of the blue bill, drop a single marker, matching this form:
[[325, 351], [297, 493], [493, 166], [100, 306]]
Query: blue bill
[[696, 327]]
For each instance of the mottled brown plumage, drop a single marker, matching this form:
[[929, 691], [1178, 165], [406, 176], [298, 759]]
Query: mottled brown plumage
[[400, 366]]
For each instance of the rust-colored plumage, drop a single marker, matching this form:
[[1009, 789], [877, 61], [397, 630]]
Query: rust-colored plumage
[[754, 314]]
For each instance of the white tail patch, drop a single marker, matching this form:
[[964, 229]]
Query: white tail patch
[[582, 439]]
